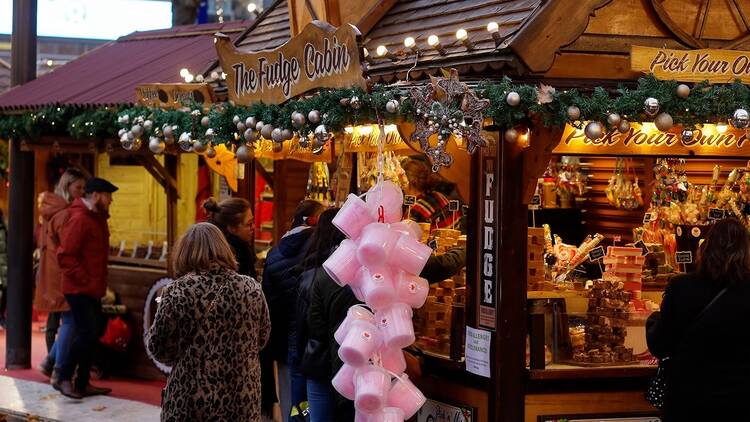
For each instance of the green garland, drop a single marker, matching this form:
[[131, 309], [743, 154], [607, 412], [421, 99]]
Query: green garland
[[705, 104]]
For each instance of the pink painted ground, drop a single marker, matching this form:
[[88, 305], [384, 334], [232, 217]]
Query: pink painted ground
[[130, 389]]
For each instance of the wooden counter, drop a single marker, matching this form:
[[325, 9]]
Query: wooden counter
[[132, 285]]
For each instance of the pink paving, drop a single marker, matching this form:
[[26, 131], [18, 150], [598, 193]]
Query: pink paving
[[130, 389]]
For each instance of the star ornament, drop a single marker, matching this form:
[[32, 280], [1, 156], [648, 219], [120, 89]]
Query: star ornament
[[447, 107]]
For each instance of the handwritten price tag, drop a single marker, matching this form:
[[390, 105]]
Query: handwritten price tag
[[410, 200], [684, 257]]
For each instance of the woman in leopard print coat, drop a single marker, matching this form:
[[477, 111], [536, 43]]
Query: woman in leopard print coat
[[210, 325]]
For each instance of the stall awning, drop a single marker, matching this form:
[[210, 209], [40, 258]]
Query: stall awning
[[109, 74], [420, 19]]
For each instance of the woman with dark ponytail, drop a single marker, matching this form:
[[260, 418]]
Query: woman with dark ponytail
[[235, 220]]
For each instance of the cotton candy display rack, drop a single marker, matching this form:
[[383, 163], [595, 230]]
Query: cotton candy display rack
[[380, 261]]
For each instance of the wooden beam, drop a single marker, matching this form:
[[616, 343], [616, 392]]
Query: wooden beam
[[596, 67], [267, 177], [21, 200], [509, 372], [171, 164], [152, 171], [373, 16], [555, 25], [163, 172]]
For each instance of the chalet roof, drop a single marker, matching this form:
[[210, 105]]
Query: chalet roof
[[421, 18], [4, 75], [109, 74]]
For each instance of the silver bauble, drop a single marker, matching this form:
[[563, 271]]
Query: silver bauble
[[185, 143], [574, 113], [244, 154], [125, 139], [168, 131], [624, 126], [241, 127], [137, 130], [511, 135], [321, 134], [613, 119], [266, 131], [683, 91], [205, 121], [199, 147], [314, 117], [355, 103], [651, 106], [513, 99], [210, 152], [593, 130], [236, 119], [210, 134], [259, 125], [298, 119], [276, 135], [251, 122], [687, 135], [121, 132], [287, 134], [156, 145], [250, 135], [148, 125], [125, 119], [664, 122], [740, 119], [391, 106]]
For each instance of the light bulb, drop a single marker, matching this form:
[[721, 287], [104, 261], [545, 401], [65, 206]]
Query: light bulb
[[493, 27], [433, 40], [409, 42], [184, 72], [381, 50], [252, 7], [461, 34], [189, 78], [50, 63]]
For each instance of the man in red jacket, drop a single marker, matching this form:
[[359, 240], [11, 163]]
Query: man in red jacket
[[82, 256]]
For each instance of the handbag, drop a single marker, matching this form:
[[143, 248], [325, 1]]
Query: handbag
[[657, 388], [316, 360]]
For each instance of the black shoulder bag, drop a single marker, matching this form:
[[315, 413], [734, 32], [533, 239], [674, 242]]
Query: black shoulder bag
[[658, 387]]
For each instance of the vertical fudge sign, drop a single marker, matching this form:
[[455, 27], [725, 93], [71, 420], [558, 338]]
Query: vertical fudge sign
[[488, 266], [321, 56]]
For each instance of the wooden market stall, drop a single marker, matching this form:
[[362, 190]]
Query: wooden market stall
[[67, 109]]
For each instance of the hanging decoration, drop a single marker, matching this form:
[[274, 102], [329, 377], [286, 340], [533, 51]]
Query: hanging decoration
[[447, 107]]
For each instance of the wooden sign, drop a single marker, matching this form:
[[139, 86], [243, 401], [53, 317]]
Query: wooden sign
[[321, 56], [645, 139], [717, 66], [171, 96], [365, 139], [684, 257]]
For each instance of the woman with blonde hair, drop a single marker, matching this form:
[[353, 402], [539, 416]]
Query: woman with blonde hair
[[48, 297], [210, 326]]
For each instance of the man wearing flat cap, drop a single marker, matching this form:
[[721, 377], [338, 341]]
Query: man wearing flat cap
[[82, 256]]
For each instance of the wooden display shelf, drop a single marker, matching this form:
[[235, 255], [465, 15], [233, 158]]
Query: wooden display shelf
[[558, 371], [139, 262]]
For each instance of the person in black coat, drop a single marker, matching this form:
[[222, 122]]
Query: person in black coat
[[235, 220], [707, 370], [280, 287]]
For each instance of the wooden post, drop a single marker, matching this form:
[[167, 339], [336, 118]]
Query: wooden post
[[171, 163], [509, 340], [21, 200]]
